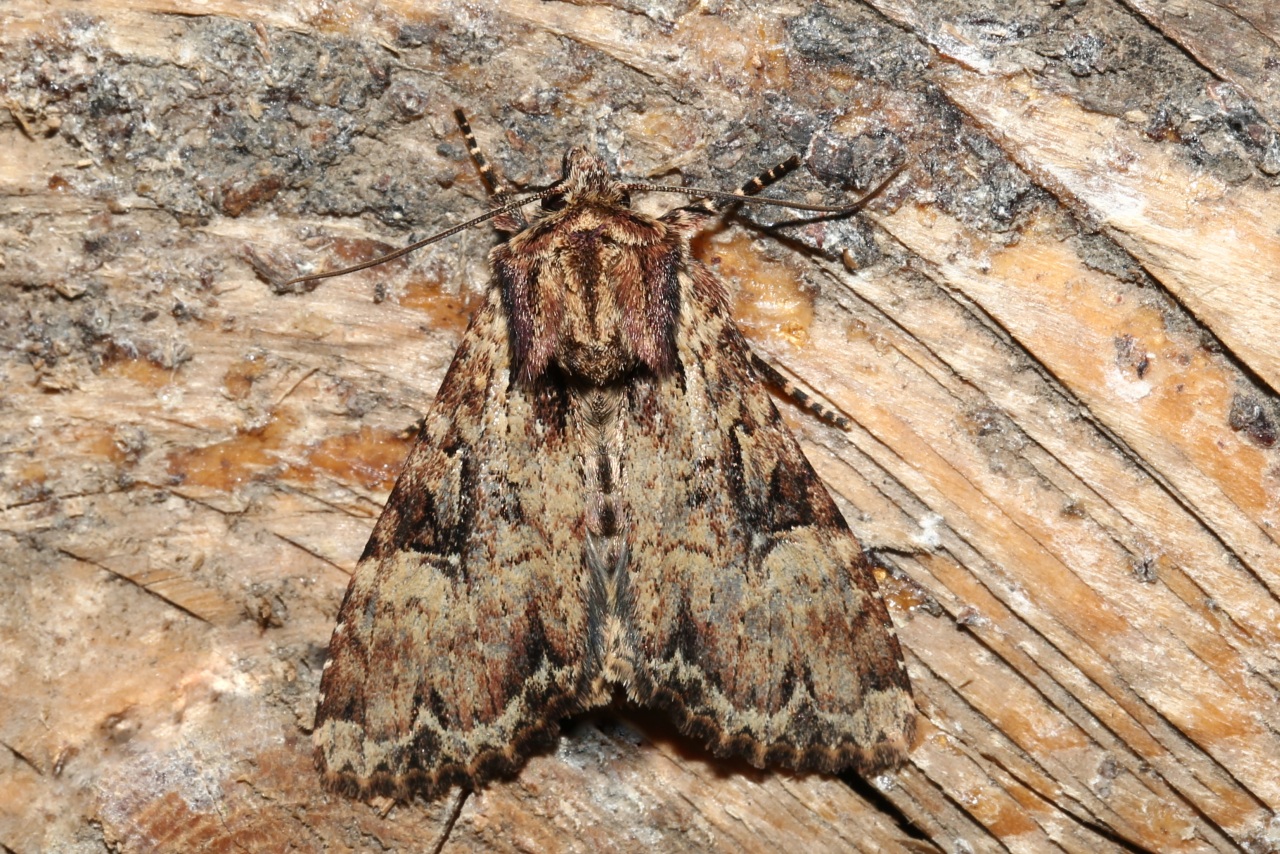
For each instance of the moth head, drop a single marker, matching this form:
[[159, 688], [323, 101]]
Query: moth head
[[586, 181]]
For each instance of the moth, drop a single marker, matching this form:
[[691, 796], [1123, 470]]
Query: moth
[[604, 501]]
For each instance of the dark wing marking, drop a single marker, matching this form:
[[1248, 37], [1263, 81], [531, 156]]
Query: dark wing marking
[[755, 617], [458, 644]]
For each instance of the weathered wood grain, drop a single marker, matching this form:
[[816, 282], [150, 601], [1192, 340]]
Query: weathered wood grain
[[1054, 334]]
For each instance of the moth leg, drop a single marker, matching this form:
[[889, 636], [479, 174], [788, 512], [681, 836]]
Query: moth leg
[[790, 390], [768, 176], [768, 372], [493, 183], [755, 185], [459, 801]]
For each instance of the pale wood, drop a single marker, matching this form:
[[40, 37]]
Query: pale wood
[[1084, 548]]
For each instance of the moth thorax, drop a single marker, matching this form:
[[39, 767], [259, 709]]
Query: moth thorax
[[593, 344], [593, 291], [602, 334]]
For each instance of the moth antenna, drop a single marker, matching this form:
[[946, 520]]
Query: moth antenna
[[493, 185], [746, 193], [515, 204], [793, 392]]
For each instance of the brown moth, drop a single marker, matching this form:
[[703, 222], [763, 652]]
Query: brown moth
[[604, 500]]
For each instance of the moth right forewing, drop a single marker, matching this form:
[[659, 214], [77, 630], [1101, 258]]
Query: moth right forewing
[[755, 616]]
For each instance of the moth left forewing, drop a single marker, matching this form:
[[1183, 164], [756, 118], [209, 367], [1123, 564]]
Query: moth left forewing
[[462, 637], [755, 617]]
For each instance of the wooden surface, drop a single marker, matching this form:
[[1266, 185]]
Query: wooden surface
[[1055, 333]]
